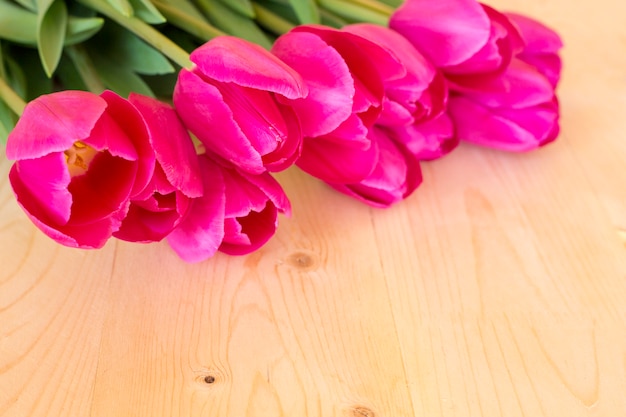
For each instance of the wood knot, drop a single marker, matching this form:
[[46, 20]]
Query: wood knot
[[302, 260], [208, 377], [361, 412]]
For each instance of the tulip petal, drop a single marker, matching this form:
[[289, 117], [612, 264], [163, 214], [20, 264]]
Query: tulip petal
[[542, 46], [232, 59], [396, 175], [46, 180], [358, 53], [520, 86], [242, 196], [415, 65], [53, 122], [447, 32], [172, 145], [258, 115], [538, 37], [429, 140], [135, 130], [105, 188], [337, 162], [200, 233], [90, 236], [202, 108], [258, 228], [272, 189], [524, 131], [288, 147], [327, 77]]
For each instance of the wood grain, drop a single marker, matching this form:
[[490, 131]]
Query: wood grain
[[498, 289]]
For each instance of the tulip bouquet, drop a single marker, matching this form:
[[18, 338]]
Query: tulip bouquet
[[147, 120]]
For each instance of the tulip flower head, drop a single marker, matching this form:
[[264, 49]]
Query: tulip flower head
[[237, 213], [158, 209], [234, 102], [79, 158]]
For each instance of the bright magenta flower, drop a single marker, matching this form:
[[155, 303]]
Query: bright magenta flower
[[501, 70], [345, 99], [470, 42], [237, 214], [522, 115], [159, 208], [234, 102], [80, 158], [395, 176], [542, 45], [365, 82], [414, 105]]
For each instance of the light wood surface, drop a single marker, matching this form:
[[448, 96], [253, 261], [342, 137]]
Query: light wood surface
[[498, 289]]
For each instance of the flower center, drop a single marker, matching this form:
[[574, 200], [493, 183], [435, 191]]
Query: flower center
[[78, 158]]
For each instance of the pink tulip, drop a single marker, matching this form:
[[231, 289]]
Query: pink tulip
[[159, 208], [235, 102], [237, 213], [522, 117], [470, 42], [415, 103], [542, 45], [80, 158], [364, 82], [395, 176], [345, 99]]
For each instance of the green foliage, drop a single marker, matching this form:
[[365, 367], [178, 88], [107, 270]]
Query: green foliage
[[306, 11], [146, 11], [138, 45], [233, 22], [243, 7], [51, 24]]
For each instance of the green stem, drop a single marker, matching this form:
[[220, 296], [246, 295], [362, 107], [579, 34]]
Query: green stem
[[189, 24], [144, 31], [271, 21], [11, 98], [375, 6], [355, 12], [85, 68]]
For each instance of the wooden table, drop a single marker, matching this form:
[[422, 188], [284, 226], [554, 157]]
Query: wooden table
[[498, 289]]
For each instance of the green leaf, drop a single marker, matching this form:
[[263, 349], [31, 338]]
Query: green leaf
[[127, 50], [332, 20], [51, 33], [141, 57], [162, 85], [79, 29], [120, 79], [7, 122], [29, 80], [234, 23], [354, 12], [122, 6], [20, 25], [77, 71], [17, 24], [393, 3], [185, 7], [240, 6], [69, 75], [15, 76], [29, 4], [7, 117], [306, 10], [146, 11], [188, 19]]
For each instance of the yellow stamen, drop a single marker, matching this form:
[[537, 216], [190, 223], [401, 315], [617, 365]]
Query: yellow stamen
[[78, 158]]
